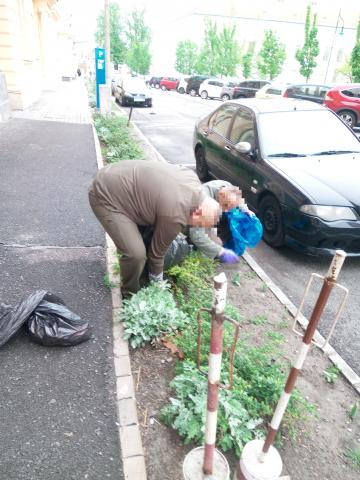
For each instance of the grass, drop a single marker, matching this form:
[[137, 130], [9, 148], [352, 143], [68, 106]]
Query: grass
[[117, 140], [331, 374], [354, 455]]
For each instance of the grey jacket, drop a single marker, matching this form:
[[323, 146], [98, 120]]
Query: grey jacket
[[201, 237]]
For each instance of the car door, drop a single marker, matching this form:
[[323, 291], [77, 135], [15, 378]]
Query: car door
[[216, 138], [240, 169]]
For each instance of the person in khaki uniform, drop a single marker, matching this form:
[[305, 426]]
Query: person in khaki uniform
[[137, 193]]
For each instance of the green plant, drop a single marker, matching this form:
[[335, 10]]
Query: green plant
[[354, 410], [116, 135], [259, 319], [276, 336], [107, 282], [236, 279], [354, 455], [331, 374], [150, 314]]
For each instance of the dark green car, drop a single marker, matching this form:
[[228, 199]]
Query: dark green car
[[297, 164]]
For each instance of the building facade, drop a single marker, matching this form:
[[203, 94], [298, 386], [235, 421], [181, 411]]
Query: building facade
[[31, 44]]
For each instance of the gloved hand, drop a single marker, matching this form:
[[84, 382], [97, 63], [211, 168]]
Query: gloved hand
[[228, 256], [156, 277]]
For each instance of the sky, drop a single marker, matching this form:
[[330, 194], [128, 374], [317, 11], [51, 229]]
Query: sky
[[171, 22]]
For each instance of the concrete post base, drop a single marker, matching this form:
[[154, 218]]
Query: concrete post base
[[193, 463], [253, 466], [105, 99]]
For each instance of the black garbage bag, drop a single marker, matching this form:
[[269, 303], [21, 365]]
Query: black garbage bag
[[179, 249], [47, 320], [13, 317], [52, 323]]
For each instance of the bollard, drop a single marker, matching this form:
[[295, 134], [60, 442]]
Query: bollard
[[207, 462], [260, 460], [130, 113]]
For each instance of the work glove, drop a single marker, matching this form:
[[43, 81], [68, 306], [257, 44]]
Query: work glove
[[156, 277], [228, 256]]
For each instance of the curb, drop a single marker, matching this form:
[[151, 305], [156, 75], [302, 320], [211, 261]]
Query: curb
[[132, 453]]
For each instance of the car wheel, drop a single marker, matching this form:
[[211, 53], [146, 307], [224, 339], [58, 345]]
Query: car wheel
[[157, 85], [163, 88], [149, 104], [348, 118], [272, 221], [193, 92], [181, 90], [201, 165], [204, 94], [225, 97]]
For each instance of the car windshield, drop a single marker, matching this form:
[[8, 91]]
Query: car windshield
[[299, 133], [135, 85]]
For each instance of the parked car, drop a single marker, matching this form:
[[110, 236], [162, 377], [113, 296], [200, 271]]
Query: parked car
[[248, 88], [181, 88], [272, 90], [307, 91], [169, 83], [193, 84], [228, 90], [297, 164], [154, 82], [345, 101], [211, 88], [133, 91]]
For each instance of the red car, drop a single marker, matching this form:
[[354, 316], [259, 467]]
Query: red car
[[169, 83], [345, 101]]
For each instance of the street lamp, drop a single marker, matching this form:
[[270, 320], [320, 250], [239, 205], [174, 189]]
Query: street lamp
[[339, 18]]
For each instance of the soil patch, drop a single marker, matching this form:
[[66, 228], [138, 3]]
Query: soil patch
[[318, 451]]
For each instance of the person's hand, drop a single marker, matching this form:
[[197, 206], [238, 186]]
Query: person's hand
[[228, 256], [156, 277]]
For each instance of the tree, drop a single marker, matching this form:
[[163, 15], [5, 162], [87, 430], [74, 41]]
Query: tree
[[271, 56], [139, 38], [346, 71], [355, 57], [310, 50], [186, 57], [228, 57], [117, 46], [247, 60], [207, 63]]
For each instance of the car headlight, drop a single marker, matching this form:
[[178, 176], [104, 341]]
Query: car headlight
[[128, 94], [329, 214]]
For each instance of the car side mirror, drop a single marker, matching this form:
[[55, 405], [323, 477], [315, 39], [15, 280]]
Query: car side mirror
[[243, 147]]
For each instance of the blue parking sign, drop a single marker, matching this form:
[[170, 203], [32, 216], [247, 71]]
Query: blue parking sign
[[100, 66]]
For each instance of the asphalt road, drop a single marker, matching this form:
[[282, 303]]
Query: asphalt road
[[169, 126]]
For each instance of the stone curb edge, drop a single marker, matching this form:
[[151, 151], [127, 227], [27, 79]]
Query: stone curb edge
[[331, 353], [132, 453]]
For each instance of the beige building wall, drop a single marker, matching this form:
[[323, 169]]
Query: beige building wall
[[28, 40]]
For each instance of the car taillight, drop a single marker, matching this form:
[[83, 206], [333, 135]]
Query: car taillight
[[327, 98], [286, 93], [236, 89]]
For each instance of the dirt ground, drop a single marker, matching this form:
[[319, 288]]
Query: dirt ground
[[319, 449]]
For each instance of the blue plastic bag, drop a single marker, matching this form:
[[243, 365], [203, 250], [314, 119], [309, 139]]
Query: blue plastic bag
[[246, 230]]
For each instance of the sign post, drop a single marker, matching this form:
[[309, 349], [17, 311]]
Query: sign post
[[100, 72]]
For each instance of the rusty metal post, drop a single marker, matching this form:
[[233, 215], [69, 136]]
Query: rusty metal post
[[130, 113]]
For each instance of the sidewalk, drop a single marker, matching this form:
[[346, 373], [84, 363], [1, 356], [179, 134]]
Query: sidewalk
[[58, 405]]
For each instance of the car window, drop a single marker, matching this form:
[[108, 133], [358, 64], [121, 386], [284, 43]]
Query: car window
[[279, 133], [244, 84], [253, 84], [309, 90], [221, 119], [242, 129], [322, 91], [274, 91], [351, 92]]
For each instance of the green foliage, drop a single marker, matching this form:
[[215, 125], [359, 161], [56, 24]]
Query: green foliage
[[107, 282], [259, 319], [331, 374], [116, 135], [236, 279], [139, 38], [354, 410], [117, 45], [207, 63], [346, 70], [355, 57], [354, 455], [247, 60], [310, 50], [150, 314], [186, 57], [271, 56]]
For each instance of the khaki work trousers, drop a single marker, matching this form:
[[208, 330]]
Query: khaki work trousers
[[128, 240]]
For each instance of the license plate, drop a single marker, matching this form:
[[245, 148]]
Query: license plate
[[139, 99]]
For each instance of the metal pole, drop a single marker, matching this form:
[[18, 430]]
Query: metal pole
[[329, 283], [107, 41], [332, 45], [130, 113], [216, 347]]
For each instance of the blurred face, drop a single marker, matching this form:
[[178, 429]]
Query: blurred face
[[229, 198], [207, 215]]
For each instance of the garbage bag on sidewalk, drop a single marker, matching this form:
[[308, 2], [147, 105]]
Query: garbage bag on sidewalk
[[52, 323], [246, 230], [178, 250], [13, 317], [47, 319]]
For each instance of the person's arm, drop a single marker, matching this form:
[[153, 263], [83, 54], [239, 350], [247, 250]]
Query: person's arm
[[164, 233], [204, 243]]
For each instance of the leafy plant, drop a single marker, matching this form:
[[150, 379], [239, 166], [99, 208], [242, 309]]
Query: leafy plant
[[151, 313], [331, 374], [354, 410], [271, 56], [354, 455], [116, 135], [310, 50], [259, 319], [107, 282], [236, 279]]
